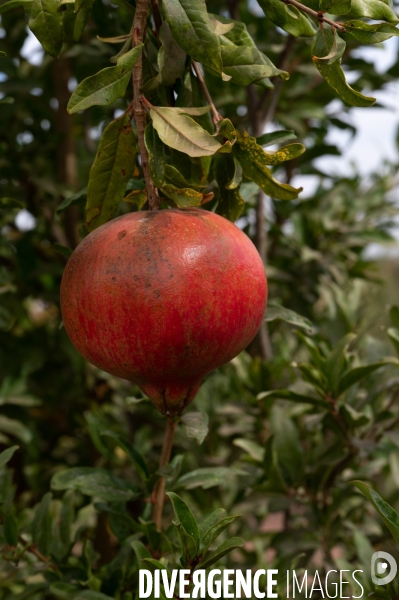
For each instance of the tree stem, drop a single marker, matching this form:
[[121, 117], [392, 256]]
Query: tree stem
[[159, 490], [317, 15], [216, 117], [139, 27]]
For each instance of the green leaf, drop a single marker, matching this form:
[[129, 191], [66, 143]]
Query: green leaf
[[393, 334], [293, 397], [136, 197], [287, 445], [111, 170], [181, 132], [45, 21], [14, 427], [275, 137], [191, 28], [95, 482], [6, 6], [171, 61], [275, 312], [118, 39], [106, 86], [185, 517], [221, 551], [140, 551], [10, 529], [394, 314], [254, 450], [156, 155], [248, 65], [91, 595], [352, 417], [207, 477], [289, 18], [41, 525], [132, 453], [386, 511], [214, 531], [371, 33], [373, 9], [228, 173], [65, 518], [355, 375], [72, 200], [327, 50], [196, 425], [335, 7], [7, 455], [210, 521]]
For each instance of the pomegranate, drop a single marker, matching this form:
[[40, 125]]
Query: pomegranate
[[162, 298]]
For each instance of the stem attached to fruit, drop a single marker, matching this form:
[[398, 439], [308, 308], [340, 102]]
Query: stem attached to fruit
[[159, 490], [139, 27]]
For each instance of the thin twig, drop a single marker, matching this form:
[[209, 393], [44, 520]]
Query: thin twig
[[139, 27], [216, 116], [317, 15], [27, 547], [159, 490]]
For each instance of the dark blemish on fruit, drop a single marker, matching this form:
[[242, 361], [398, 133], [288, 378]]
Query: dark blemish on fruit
[[122, 234]]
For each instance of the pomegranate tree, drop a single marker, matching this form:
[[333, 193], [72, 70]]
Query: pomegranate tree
[[163, 297]]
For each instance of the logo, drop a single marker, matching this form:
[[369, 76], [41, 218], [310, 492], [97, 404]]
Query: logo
[[379, 568]]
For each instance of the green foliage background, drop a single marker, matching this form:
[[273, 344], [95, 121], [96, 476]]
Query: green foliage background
[[277, 435]]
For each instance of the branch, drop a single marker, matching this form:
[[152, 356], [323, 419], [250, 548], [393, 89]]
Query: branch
[[216, 117], [317, 15], [159, 490], [139, 27], [27, 547]]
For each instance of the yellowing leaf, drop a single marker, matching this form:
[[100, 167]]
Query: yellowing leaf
[[182, 133]]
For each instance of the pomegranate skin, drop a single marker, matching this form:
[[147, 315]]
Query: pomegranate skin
[[162, 298]]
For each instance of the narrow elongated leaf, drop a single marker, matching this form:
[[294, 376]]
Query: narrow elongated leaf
[[7, 455], [72, 200], [231, 204], [275, 312], [156, 155], [221, 551], [293, 397], [373, 9], [182, 133], [327, 50], [276, 137], [107, 85], [196, 425], [132, 453], [14, 427], [248, 65], [10, 529], [207, 477], [213, 532], [95, 482], [118, 39], [288, 18], [41, 525], [111, 170], [140, 551], [287, 445], [185, 517], [191, 28], [208, 522], [45, 21], [252, 448], [371, 33], [393, 334], [355, 375], [389, 516]]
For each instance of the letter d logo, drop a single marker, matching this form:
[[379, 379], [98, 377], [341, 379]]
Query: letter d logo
[[381, 568]]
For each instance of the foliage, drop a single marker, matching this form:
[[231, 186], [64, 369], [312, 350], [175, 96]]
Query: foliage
[[276, 442]]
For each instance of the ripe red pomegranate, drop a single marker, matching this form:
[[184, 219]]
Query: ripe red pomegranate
[[162, 298]]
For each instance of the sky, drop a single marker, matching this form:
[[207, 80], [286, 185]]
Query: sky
[[374, 141]]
